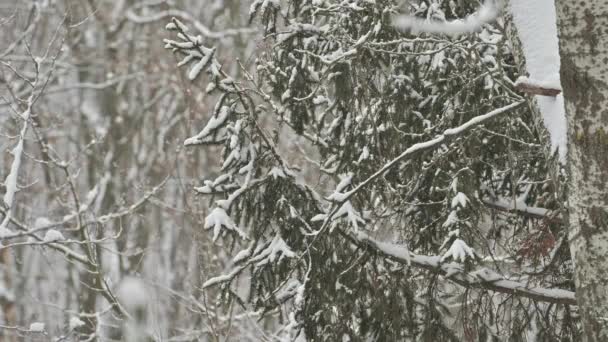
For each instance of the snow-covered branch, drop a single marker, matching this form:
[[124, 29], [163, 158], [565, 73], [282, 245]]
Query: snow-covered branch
[[447, 135], [487, 13], [11, 181], [534, 87], [520, 208], [200, 27], [481, 277]]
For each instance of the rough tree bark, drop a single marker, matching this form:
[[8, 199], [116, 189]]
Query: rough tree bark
[[584, 75]]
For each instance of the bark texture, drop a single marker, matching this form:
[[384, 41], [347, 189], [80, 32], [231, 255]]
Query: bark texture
[[582, 27]]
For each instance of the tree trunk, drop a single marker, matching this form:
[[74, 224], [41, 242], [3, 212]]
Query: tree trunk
[[584, 76]]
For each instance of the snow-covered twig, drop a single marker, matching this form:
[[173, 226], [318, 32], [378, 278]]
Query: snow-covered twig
[[70, 254]]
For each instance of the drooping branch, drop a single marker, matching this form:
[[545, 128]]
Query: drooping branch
[[480, 278]]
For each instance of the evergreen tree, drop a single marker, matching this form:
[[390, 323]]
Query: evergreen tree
[[382, 184]]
